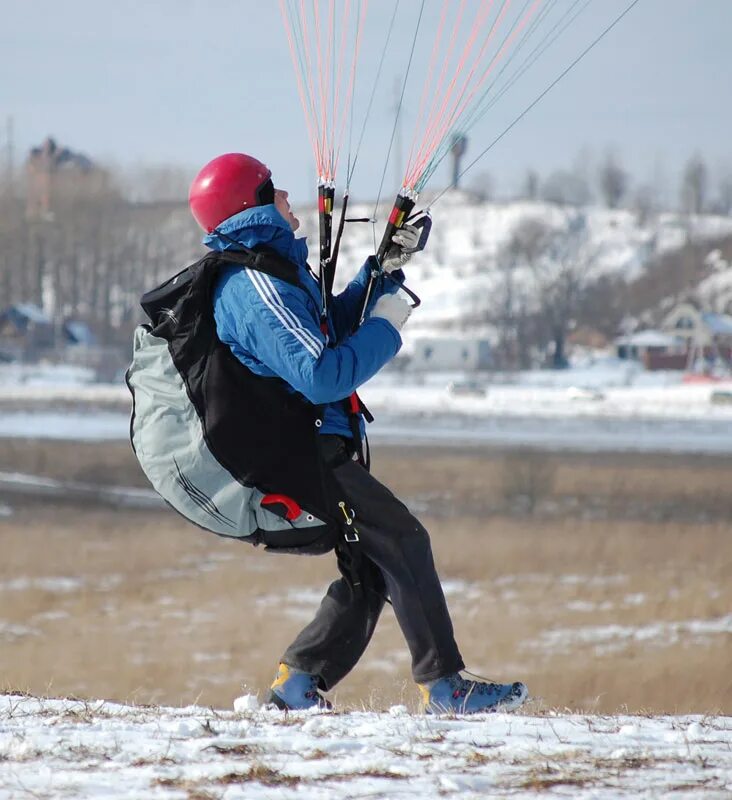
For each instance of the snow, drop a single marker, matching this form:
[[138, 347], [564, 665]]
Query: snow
[[459, 272], [602, 405], [42, 376], [97, 426], [573, 427], [650, 339], [98, 749], [59, 584], [613, 638]]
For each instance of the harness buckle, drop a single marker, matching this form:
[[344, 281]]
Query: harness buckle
[[351, 536]]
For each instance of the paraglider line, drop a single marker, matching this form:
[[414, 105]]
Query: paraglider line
[[542, 95], [399, 108], [352, 167]]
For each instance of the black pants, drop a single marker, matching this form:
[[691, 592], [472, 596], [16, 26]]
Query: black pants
[[396, 560]]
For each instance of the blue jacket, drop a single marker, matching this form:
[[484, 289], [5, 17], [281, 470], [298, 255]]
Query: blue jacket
[[273, 327]]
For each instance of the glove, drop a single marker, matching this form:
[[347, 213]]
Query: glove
[[393, 309], [405, 239]]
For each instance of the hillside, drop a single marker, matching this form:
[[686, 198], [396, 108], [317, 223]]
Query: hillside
[[462, 275]]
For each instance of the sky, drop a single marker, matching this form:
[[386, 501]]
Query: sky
[[177, 82]]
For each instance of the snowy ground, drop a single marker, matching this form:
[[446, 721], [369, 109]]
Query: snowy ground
[[73, 749], [607, 406]]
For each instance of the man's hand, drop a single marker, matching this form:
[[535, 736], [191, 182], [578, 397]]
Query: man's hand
[[406, 238], [393, 309]]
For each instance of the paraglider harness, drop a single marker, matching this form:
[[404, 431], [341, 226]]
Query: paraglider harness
[[236, 453]]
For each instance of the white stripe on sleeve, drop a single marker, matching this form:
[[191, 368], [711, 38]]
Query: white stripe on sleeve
[[271, 291], [273, 301]]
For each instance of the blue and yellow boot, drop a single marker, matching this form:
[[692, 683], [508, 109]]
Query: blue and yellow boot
[[294, 690], [455, 694]]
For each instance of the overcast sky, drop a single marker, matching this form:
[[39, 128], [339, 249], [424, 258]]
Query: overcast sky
[[179, 81]]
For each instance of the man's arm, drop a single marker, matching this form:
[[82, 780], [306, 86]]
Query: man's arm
[[276, 323]]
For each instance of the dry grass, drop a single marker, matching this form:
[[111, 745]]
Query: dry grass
[[165, 613]]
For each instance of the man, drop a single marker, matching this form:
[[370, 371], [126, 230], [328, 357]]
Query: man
[[274, 328]]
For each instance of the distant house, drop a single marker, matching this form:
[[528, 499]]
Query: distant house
[[638, 345], [47, 166], [445, 354], [654, 349], [707, 335], [25, 331], [703, 328]]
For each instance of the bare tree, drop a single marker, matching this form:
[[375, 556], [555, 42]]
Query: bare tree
[[156, 184], [529, 240], [562, 278], [694, 186], [483, 187], [644, 205], [613, 182], [566, 188], [73, 242], [554, 266], [723, 204], [515, 309], [13, 237], [530, 189]]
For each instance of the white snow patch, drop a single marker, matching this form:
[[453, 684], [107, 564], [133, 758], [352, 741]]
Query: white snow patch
[[247, 702], [612, 638], [458, 589], [10, 631], [566, 580], [298, 602], [59, 584]]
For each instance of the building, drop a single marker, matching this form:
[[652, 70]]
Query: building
[[25, 332], [654, 349], [697, 327], [446, 354], [48, 166], [707, 336], [28, 334]]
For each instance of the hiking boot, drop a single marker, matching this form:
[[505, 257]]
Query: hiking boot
[[294, 690], [459, 695]]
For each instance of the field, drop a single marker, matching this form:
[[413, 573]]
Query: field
[[602, 581]]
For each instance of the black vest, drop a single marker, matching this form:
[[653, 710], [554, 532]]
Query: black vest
[[256, 428]]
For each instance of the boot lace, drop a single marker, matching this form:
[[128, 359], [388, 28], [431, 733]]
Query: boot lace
[[312, 692], [462, 687]]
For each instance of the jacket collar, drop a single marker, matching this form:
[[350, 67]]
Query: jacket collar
[[257, 226]]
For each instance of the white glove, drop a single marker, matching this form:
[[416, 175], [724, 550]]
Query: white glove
[[393, 309], [406, 238]]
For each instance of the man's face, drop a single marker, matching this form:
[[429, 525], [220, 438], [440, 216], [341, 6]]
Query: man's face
[[282, 204]]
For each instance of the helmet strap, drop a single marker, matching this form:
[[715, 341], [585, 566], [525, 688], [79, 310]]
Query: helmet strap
[[265, 194]]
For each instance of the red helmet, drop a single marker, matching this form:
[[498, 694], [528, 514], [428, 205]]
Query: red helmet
[[228, 185]]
